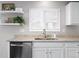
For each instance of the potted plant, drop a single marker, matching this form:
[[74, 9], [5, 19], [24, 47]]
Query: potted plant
[[18, 19]]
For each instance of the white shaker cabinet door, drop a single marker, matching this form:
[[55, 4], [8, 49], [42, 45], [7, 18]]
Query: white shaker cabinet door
[[47, 52], [72, 52], [39, 53], [55, 53], [72, 13]]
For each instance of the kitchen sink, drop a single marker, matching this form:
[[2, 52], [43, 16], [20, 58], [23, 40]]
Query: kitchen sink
[[45, 39]]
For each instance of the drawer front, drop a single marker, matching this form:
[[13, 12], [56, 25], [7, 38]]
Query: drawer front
[[72, 44], [48, 44], [55, 53]]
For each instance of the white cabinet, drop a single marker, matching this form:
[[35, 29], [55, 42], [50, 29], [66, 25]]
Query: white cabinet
[[39, 52], [55, 50], [72, 13], [55, 53], [48, 44], [72, 52], [72, 44], [47, 50]]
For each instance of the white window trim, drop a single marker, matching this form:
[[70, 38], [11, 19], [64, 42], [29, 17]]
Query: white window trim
[[46, 30]]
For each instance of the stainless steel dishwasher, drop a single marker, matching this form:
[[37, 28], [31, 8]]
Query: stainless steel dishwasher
[[21, 49]]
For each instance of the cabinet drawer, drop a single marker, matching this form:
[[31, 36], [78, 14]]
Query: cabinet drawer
[[72, 44], [48, 44]]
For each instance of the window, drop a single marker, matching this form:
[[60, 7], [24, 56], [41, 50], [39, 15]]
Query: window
[[48, 19]]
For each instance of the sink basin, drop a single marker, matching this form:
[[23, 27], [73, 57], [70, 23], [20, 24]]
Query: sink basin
[[45, 39]]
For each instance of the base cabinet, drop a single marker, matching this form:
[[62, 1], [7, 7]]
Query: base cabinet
[[47, 50], [72, 52], [39, 53], [71, 49], [50, 49], [47, 53], [55, 50]]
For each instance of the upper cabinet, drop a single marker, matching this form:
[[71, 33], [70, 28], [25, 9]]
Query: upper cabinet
[[72, 13], [48, 18]]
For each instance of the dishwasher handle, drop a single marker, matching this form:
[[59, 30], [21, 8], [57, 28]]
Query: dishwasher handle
[[22, 45], [18, 45]]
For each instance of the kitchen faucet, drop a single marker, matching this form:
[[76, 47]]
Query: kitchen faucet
[[44, 33]]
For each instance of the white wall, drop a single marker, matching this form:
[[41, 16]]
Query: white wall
[[27, 5], [8, 32]]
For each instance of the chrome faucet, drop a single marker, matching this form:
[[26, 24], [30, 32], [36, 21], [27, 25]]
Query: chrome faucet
[[44, 33]]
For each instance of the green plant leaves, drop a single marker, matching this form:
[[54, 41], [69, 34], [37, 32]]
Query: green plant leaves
[[18, 19]]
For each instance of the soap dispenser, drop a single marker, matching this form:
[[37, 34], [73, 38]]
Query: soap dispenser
[[54, 35]]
